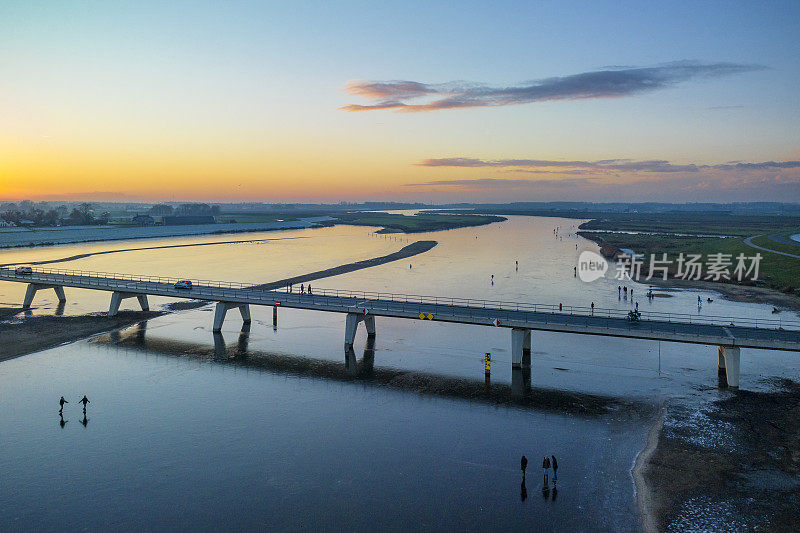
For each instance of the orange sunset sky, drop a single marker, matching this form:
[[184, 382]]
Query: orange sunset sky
[[324, 102]]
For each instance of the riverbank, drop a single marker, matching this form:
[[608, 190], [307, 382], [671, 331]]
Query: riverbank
[[75, 257], [389, 223], [37, 333], [18, 237], [777, 272], [734, 460], [735, 293], [644, 495]]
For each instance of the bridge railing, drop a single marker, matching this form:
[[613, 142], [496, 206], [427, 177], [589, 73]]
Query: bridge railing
[[373, 299], [51, 274]]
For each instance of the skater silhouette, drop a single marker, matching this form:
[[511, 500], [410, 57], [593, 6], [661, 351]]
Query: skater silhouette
[[546, 468]]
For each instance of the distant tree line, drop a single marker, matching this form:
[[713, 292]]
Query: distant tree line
[[184, 210], [28, 213]]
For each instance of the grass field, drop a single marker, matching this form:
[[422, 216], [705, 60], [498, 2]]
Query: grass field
[[766, 242], [254, 217], [695, 223], [775, 271], [417, 223]]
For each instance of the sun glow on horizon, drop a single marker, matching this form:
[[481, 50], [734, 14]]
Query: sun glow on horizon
[[244, 102]]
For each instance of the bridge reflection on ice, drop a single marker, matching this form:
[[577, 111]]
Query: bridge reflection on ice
[[519, 393]]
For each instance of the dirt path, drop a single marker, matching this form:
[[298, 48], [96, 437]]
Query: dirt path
[[783, 238], [748, 241]]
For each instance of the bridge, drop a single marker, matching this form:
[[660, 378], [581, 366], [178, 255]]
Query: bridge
[[729, 334]]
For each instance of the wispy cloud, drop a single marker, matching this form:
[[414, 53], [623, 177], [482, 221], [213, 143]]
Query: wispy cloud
[[712, 187], [766, 165], [617, 165], [499, 183], [609, 82]]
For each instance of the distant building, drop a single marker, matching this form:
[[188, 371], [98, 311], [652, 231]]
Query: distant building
[[184, 220], [144, 220], [4, 224], [26, 223]]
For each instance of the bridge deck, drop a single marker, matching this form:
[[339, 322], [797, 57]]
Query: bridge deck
[[726, 331]]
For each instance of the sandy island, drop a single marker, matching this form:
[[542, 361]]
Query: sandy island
[[33, 334], [412, 249]]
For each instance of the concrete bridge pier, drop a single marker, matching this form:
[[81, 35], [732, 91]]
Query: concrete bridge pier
[[728, 364], [520, 347], [367, 364], [351, 325], [30, 292], [520, 382], [244, 340], [220, 348], [222, 309], [721, 361], [117, 297]]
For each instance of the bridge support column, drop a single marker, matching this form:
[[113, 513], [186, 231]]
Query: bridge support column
[[30, 292], [222, 309], [117, 297], [729, 356], [721, 361], [520, 382], [369, 323], [520, 347], [367, 364], [351, 325]]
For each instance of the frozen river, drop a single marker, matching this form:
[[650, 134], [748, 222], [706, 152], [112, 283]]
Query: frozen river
[[267, 429]]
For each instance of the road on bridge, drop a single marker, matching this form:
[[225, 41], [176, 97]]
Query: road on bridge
[[776, 334]]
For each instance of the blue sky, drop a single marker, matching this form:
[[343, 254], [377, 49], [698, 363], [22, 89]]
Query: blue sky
[[181, 97]]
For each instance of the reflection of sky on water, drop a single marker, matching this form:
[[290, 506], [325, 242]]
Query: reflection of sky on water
[[184, 441]]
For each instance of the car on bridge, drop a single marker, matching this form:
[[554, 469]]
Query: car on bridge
[[23, 271], [183, 285]]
